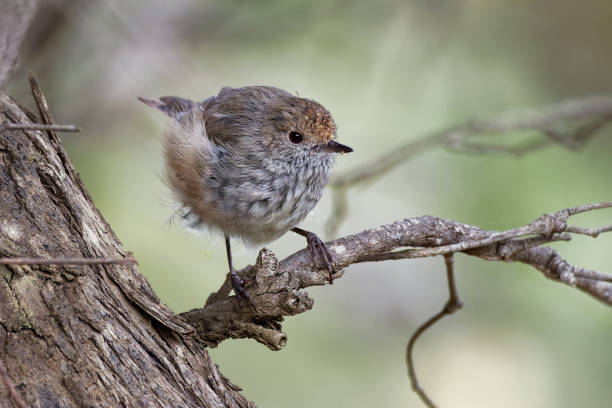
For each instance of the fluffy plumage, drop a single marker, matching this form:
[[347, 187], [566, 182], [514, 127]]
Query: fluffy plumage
[[232, 165]]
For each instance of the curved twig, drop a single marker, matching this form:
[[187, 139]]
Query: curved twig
[[452, 305]]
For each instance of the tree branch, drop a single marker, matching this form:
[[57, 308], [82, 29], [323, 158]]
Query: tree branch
[[276, 287]]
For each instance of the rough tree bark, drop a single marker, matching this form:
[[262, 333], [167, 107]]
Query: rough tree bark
[[90, 335]]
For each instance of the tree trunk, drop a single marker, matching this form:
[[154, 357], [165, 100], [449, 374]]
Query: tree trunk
[[88, 335]]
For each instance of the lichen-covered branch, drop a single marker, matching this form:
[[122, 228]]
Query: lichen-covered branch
[[276, 287], [570, 124]]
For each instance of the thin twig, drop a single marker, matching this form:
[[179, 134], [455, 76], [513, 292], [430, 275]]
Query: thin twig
[[10, 386], [592, 232], [41, 102], [452, 305], [37, 126], [593, 275], [589, 207], [509, 248], [128, 260]]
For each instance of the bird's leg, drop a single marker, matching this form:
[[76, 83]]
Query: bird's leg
[[317, 247], [237, 283]]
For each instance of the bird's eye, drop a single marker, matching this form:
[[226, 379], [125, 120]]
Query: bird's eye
[[295, 137]]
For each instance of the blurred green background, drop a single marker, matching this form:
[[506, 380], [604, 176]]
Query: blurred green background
[[388, 71]]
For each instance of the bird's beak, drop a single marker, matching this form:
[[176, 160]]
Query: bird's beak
[[333, 147]]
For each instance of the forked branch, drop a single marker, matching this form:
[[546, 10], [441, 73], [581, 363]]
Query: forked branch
[[276, 286]]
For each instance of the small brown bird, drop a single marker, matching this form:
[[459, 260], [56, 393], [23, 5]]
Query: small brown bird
[[250, 162]]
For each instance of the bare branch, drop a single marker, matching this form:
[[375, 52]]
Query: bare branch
[[593, 275], [588, 207], [593, 232], [548, 225], [276, 287], [570, 124]]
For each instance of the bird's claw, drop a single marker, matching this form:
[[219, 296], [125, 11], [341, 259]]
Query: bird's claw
[[240, 291], [317, 247]]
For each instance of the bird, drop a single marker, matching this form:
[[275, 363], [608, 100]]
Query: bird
[[250, 162]]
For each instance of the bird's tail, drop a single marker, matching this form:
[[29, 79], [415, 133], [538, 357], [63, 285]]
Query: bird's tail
[[189, 153], [172, 106]]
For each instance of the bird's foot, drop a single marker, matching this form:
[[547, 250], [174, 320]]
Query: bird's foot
[[319, 250], [239, 289]]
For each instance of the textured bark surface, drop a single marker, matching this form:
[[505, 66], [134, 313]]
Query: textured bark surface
[[83, 335]]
